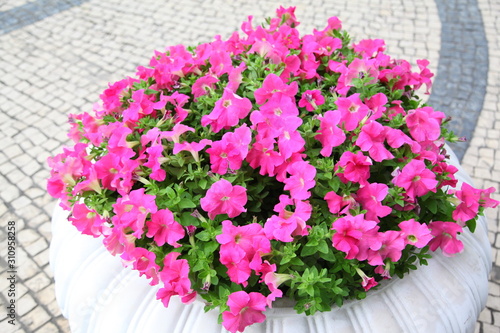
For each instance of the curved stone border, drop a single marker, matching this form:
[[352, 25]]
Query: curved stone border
[[29, 13], [460, 85]]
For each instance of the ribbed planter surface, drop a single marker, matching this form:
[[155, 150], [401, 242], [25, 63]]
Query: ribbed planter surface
[[98, 295]]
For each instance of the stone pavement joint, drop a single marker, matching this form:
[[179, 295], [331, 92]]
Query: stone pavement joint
[[57, 56]]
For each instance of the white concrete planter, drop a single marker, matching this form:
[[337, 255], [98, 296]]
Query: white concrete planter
[[98, 295]]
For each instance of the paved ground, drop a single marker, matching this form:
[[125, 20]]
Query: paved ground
[[56, 56]]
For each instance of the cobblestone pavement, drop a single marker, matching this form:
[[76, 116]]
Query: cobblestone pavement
[[56, 56]]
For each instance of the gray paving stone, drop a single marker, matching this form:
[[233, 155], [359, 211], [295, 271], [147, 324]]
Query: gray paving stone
[[27, 236], [38, 282], [486, 328], [493, 303], [37, 247], [25, 305], [486, 316], [36, 318]]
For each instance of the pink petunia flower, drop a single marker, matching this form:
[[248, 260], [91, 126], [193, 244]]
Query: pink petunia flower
[[290, 142], [133, 209], [227, 112], [333, 24], [396, 138], [340, 204], [236, 77], [117, 134], [192, 147], [354, 167], [176, 132], [273, 85], [273, 281], [178, 100], [230, 151], [287, 16], [224, 198], [141, 106], [367, 282], [175, 278], [91, 183], [301, 179], [155, 158], [143, 261], [377, 103], [371, 139], [446, 173], [204, 85], [368, 48], [352, 111], [415, 233], [288, 224], [468, 207], [237, 264], [221, 63], [445, 237], [65, 169], [292, 66], [370, 197], [164, 229], [116, 241], [424, 123], [311, 99], [264, 156], [416, 179], [244, 310], [424, 76], [279, 113], [485, 200], [356, 69], [116, 173], [112, 96], [354, 235], [241, 249], [392, 245], [86, 220], [250, 238], [329, 134]]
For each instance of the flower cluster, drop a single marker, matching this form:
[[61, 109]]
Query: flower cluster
[[267, 165]]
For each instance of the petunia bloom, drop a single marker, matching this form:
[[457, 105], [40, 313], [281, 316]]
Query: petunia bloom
[[301, 180], [244, 310], [329, 134], [175, 278], [311, 99], [424, 123], [354, 167], [415, 233], [445, 237], [416, 179], [273, 85], [227, 112], [224, 198], [164, 229]]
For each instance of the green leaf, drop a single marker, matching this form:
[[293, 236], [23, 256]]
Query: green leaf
[[186, 203], [432, 205], [210, 247], [204, 236], [187, 219], [471, 224], [203, 183], [170, 193], [308, 250]]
